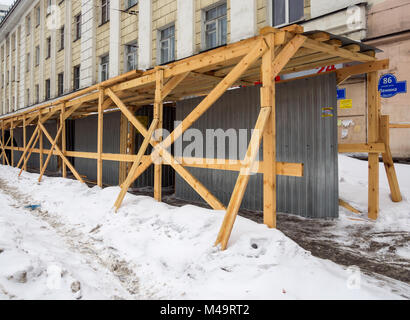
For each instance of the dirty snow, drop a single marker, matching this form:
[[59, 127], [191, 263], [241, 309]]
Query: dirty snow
[[75, 247]]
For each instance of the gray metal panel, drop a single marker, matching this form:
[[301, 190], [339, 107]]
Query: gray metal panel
[[302, 136], [85, 139]]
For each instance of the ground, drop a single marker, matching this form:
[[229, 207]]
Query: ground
[[62, 239]]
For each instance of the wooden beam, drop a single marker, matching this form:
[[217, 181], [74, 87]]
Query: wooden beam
[[338, 52], [122, 174], [268, 74], [30, 151], [400, 125], [24, 135], [41, 143], [344, 204], [172, 84], [12, 143], [388, 160], [376, 147], [344, 73], [27, 147], [69, 165], [63, 140], [100, 133], [319, 36], [243, 179], [158, 115], [373, 136]]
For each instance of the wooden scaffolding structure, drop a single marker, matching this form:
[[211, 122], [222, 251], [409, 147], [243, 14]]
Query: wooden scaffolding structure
[[259, 59]]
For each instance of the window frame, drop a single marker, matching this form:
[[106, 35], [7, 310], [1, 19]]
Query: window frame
[[47, 89], [37, 56], [205, 22], [171, 53], [62, 37], [127, 4], [104, 67], [287, 14], [77, 24], [127, 54], [76, 78], [48, 47], [60, 84], [105, 8]]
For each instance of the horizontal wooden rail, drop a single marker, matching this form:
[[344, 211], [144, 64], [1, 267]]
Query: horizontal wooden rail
[[362, 148], [400, 125]]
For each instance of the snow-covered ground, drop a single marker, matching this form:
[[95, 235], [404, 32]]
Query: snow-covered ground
[[74, 246]]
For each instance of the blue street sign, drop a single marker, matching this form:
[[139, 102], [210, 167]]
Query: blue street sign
[[389, 86], [341, 94]]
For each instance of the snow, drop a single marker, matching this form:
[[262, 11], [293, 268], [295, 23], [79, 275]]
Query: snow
[[150, 250]]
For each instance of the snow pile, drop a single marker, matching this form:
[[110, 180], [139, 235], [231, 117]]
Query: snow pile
[[152, 250]]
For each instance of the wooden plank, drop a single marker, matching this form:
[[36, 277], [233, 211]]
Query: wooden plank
[[344, 73], [388, 160], [122, 174], [24, 135], [50, 153], [100, 133], [136, 164], [344, 204], [268, 74], [63, 140], [69, 165], [158, 114], [400, 125], [41, 143], [172, 84], [12, 143], [362, 148], [338, 52], [373, 136], [243, 179], [320, 36]]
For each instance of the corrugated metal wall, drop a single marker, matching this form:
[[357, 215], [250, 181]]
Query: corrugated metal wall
[[85, 139], [303, 135]]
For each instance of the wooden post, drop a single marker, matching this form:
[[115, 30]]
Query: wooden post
[[123, 148], [2, 140], [269, 135], [41, 144], [24, 138], [12, 143], [158, 114], [100, 136], [388, 159], [373, 136], [63, 139]]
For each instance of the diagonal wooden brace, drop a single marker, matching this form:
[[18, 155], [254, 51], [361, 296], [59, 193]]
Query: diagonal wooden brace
[[243, 179], [50, 154], [59, 152], [3, 150], [30, 152], [135, 165], [201, 189]]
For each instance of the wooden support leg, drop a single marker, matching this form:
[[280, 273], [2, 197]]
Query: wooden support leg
[[63, 140], [29, 154], [373, 136], [100, 137], [12, 143], [269, 135], [2, 140], [24, 137], [243, 179], [123, 148], [41, 144], [158, 114], [388, 160]]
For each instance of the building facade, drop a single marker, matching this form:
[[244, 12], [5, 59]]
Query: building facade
[[49, 48]]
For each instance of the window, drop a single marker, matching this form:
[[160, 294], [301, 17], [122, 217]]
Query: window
[[28, 25], [37, 55], [104, 67], [76, 78], [287, 11], [37, 87], [28, 62], [105, 11], [131, 57], [167, 44], [38, 16], [47, 92], [77, 25], [60, 84], [28, 97], [48, 7], [62, 38], [215, 26], [130, 3], [48, 47], [13, 74]]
